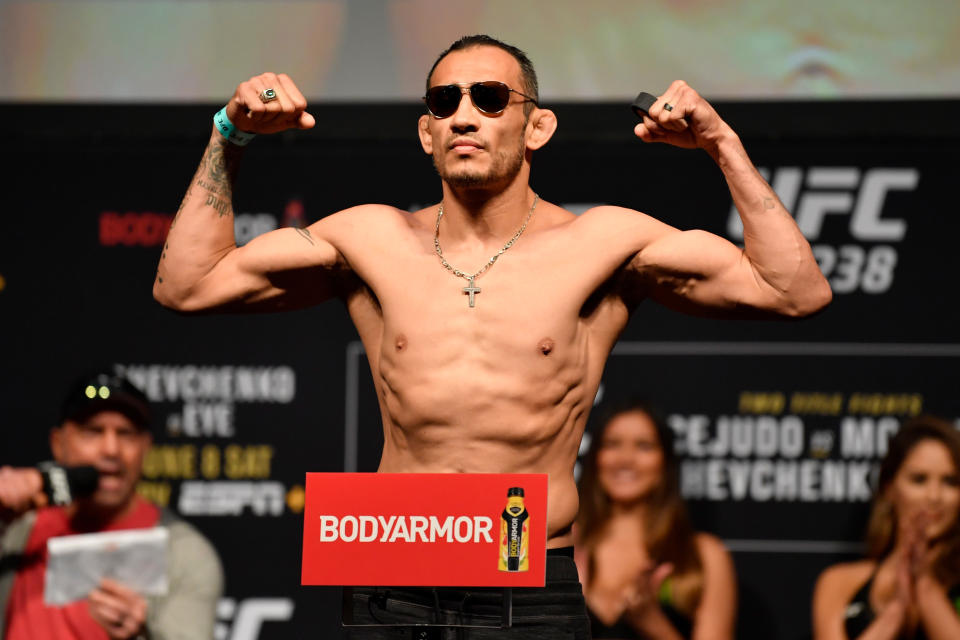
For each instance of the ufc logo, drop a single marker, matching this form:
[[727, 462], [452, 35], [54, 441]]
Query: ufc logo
[[242, 620], [817, 192]]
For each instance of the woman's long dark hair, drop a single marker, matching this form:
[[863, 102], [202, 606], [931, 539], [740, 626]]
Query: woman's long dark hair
[[882, 526], [669, 533]]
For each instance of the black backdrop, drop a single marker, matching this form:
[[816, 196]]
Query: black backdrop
[[780, 425]]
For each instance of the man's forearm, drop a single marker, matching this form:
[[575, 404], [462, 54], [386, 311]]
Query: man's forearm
[[202, 230], [773, 243]]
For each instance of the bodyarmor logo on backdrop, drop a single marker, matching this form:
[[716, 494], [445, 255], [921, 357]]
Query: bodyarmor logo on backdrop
[[148, 229], [145, 229], [868, 263], [133, 229]]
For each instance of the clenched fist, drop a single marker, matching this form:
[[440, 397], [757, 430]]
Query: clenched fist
[[20, 491], [682, 117], [248, 111]]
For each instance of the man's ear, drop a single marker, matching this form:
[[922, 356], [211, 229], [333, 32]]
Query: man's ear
[[540, 128], [426, 138]]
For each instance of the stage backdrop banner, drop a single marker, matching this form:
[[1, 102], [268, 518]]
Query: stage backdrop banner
[[780, 425]]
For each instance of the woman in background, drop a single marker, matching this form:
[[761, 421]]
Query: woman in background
[[909, 585], [645, 572]]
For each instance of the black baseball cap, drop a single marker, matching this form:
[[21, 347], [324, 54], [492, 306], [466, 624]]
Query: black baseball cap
[[105, 391]]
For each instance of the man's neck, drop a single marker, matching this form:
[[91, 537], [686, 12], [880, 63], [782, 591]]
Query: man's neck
[[470, 214]]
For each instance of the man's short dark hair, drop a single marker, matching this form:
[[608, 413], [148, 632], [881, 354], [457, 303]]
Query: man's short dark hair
[[527, 73]]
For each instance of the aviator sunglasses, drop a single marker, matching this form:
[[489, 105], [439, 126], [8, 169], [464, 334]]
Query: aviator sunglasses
[[489, 97]]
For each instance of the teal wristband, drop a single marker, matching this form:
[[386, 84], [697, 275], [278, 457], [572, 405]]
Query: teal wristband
[[230, 132]]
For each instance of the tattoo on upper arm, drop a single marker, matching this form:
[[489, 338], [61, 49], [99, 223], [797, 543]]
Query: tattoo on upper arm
[[212, 187], [216, 174], [222, 165], [305, 233], [221, 206], [770, 203]]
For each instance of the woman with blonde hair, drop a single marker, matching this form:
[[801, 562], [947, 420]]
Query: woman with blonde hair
[[909, 584], [645, 572]]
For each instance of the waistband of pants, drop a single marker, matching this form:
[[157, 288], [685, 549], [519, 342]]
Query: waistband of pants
[[561, 576], [560, 566], [560, 600]]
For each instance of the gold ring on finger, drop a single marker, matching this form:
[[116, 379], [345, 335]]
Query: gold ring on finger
[[268, 95]]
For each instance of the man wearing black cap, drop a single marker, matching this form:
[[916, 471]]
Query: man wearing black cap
[[105, 425]]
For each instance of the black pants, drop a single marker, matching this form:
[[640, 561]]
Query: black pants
[[553, 612]]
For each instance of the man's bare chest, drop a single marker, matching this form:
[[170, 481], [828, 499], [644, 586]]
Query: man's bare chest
[[537, 276]]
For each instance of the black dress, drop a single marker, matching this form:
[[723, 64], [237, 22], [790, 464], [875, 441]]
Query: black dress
[[859, 614], [622, 630]]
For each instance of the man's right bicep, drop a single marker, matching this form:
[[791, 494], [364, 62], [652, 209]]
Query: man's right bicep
[[283, 269]]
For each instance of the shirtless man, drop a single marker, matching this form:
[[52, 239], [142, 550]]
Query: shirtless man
[[493, 370]]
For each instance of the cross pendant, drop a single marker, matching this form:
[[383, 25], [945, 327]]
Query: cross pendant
[[471, 290]]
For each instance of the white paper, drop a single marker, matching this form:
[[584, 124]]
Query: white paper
[[137, 558]]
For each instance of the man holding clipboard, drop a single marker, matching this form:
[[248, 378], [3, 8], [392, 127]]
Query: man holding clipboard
[[76, 538], [487, 318]]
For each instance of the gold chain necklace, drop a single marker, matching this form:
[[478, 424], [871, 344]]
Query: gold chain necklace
[[472, 289]]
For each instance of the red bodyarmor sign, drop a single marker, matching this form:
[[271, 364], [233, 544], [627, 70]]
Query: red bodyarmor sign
[[425, 529]]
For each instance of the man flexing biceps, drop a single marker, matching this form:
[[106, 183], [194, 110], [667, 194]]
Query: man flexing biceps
[[492, 290]]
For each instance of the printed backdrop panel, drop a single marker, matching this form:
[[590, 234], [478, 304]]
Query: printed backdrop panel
[[780, 425]]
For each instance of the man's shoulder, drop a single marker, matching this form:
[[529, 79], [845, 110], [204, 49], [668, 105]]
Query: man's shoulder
[[618, 225], [370, 218], [178, 527], [14, 535], [609, 212], [377, 210], [573, 218]]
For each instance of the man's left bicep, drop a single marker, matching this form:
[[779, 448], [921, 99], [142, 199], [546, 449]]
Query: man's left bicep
[[699, 272]]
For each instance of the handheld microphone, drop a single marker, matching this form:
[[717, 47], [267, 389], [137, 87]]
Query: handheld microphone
[[62, 485]]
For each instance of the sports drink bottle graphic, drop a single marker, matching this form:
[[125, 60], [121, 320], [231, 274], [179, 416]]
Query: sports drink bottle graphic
[[514, 533]]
